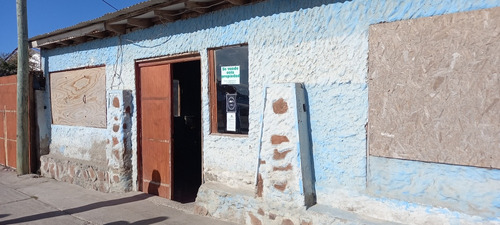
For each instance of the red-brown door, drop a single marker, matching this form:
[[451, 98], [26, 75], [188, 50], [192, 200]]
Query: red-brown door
[[155, 127]]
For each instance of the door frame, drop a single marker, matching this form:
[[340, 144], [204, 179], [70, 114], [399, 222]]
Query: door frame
[[187, 57]]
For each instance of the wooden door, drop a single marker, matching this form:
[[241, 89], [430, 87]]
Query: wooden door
[[156, 131]]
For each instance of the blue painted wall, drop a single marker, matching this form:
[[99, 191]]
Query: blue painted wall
[[323, 44], [463, 188]]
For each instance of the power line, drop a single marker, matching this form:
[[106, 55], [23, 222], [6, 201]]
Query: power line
[[110, 5]]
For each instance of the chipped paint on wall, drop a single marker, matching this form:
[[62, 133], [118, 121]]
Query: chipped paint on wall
[[462, 188], [332, 64]]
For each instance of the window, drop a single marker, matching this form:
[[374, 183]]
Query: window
[[229, 89]]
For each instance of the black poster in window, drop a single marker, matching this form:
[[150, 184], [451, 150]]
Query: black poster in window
[[231, 74]]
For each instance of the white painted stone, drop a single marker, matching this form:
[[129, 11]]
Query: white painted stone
[[291, 125]]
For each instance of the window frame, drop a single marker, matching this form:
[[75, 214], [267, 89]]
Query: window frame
[[212, 88]]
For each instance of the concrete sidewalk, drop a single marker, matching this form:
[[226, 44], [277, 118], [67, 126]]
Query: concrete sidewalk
[[30, 199]]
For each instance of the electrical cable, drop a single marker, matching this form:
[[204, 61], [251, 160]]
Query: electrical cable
[[110, 5], [119, 60]]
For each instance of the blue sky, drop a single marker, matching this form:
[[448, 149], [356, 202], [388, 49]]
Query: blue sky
[[45, 16]]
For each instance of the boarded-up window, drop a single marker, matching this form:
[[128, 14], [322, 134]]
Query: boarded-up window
[[79, 97], [434, 89]]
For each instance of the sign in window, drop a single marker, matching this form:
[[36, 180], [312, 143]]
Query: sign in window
[[229, 90]]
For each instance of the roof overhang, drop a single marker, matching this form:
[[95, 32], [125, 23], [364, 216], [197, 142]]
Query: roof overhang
[[139, 16]]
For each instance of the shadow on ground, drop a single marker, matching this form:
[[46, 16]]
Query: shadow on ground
[[140, 222], [85, 208]]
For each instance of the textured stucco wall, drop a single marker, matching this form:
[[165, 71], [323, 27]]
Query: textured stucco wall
[[321, 43], [83, 143], [463, 188]]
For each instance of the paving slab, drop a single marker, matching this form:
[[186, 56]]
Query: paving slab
[[32, 211], [8, 195], [30, 199]]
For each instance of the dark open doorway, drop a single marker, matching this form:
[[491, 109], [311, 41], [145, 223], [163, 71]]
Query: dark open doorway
[[186, 130]]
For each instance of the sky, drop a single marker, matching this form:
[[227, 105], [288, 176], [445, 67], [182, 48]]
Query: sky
[[45, 16]]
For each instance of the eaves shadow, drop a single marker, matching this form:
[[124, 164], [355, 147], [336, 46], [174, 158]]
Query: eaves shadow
[[93, 206], [215, 19]]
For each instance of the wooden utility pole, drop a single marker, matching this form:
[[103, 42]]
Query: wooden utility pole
[[22, 89]]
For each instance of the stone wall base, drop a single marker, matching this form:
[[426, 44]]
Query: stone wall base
[[244, 207], [90, 175]]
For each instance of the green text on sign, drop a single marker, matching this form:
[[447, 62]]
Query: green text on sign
[[230, 74]]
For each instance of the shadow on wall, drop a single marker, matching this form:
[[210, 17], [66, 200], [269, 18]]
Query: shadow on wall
[[203, 22], [44, 112], [234, 15], [154, 188], [128, 103], [311, 147]]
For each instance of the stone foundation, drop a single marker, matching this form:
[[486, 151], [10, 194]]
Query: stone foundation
[[90, 175], [244, 207]]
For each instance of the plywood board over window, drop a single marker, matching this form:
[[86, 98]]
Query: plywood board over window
[[79, 97], [434, 89]]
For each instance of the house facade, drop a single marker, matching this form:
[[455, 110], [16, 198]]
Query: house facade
[[272, 112]]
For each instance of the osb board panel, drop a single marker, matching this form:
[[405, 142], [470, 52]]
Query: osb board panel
[[434, 89], [79, 97]]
